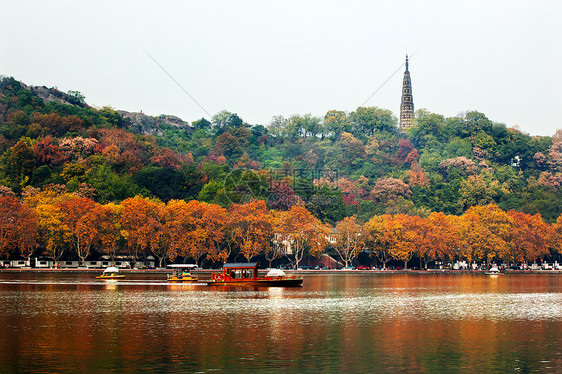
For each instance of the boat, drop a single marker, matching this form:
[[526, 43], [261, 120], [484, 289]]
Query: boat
[[246, 275], [493, 271], [111, 273], [182, 273]]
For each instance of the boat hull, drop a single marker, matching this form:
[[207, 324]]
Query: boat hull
[[183, 280], [284, 282], [110, 277]]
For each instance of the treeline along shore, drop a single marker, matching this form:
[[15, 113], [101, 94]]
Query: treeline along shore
[[55, 223], [79, 182]]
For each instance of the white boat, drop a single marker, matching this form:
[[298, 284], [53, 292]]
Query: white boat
[[493, 271], [111, 273]]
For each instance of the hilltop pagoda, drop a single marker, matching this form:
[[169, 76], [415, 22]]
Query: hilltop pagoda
[[407, 103]]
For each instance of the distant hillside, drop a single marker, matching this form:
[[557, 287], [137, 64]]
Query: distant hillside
[[343, 164]]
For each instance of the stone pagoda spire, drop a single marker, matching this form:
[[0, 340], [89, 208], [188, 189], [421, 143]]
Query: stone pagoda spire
[[407, 103]]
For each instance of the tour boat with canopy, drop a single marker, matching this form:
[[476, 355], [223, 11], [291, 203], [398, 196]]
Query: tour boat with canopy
[[493, 271], [246, 274], [182, 273], [111, 273]]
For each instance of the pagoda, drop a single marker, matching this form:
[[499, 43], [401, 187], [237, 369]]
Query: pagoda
[[407, 103]]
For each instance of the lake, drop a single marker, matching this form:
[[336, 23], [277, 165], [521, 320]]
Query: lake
[[357, 322]]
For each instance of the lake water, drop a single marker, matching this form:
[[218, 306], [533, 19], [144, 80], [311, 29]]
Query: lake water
[[68, 322]]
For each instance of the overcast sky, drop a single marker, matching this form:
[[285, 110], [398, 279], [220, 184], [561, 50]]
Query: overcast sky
[[264, 58]]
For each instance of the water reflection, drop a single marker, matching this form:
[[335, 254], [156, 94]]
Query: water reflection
[[425, 323]]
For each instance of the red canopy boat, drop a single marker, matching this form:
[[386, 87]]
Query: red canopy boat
[[246, 274]]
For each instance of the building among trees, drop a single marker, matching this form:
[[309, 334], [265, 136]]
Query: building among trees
[[407, 102]]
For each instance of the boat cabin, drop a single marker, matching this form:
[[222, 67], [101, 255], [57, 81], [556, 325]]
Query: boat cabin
[[242, 271]]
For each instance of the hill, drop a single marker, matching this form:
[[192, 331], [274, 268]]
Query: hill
[[344, 164]]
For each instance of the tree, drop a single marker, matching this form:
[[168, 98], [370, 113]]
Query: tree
[[428, 129], [20, 163], [278, 246], [139, 219], [197, 229], [81, 218], [556, 239], [483, 232], [409, 233], [478, 190], [380, 237], [443, 238], [54, 234], [302, 232], [389, 189], [251, 225], [368, 121], [529, 237], [349, 239], [111, 233], [18, 227], [337, 122]]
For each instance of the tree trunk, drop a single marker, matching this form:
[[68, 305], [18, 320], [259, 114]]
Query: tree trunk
[[405, 264]]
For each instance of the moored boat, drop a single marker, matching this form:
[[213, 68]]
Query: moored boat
[[182, 274], [246, 275], [111, 273], [493, 271]]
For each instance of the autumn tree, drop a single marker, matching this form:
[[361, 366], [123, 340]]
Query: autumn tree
[[443, 238], [302, 232], [349, 239], [18, 227], [139, 219], [409, 233], [197, 229], [279, 243], [54, 234], [111, 234], [529, 237], [380, 237], [556, 232], [251, 225], [483, 232], [81, 218]]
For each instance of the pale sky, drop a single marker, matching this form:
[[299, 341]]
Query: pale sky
[[265, 58]]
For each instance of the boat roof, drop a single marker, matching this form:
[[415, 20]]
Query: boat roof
[[240, 265], [111, 269], [182, 266]]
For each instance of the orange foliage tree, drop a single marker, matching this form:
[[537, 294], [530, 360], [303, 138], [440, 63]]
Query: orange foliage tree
[[54, 234], [81, 218], [381, 237], [18, 227], [349, 239], [140, 221], [196, 229], [111, 233], [483, 232], [409, 233], [529, 237], [556, 238], [251, 225], [442, 238], [302, 232]]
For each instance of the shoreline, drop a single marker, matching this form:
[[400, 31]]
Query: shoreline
[[298, 272]]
